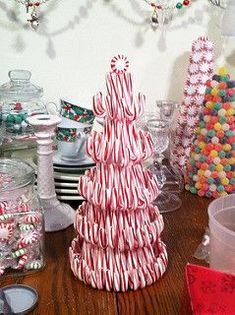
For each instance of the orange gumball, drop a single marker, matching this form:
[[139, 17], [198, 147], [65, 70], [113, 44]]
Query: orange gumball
[[202, 180], [224, 161]]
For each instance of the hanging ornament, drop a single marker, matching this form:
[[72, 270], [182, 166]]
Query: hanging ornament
[[155, 19], [33, 7], [166, 10], [218, 3], [34, 21]]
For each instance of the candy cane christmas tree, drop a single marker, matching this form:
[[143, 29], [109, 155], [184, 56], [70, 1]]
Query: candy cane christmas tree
[[118, 246]]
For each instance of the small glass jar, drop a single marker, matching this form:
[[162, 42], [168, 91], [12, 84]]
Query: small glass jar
[[19, 99], [21, 219]]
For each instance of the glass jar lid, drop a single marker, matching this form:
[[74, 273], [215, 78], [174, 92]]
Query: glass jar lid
[[19, 87], [14, 174]]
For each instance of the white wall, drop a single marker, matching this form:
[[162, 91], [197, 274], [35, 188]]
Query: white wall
[[71, 52]]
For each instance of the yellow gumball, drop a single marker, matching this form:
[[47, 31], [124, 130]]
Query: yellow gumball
[[214, 92], [210, 105], [232, 161], [230, 112], [200, 172], [225, 181], [217, 126], [213, 153], [223, 194], [227, 147], [219, 168], [223, 71], [201, 145], [198, 130], [198, 185]]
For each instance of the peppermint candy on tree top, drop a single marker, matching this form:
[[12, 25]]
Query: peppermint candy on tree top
[[119, 64]]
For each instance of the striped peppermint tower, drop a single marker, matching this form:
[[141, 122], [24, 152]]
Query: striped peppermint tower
[[201, 68], [118, 245]]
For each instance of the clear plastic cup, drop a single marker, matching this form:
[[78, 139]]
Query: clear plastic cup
[[222, 233]]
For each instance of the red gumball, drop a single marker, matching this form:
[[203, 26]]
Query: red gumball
[[220, 134]]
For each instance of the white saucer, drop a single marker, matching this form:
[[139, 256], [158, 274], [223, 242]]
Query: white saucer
[[84, 162]]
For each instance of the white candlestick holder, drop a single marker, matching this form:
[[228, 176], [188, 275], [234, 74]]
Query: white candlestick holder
[[58, 216]]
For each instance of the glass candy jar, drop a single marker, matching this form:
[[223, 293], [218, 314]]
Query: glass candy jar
[[21, 219], [19, 98]]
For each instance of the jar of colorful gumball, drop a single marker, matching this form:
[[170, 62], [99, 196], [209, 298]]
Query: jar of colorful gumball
[[21, 219]]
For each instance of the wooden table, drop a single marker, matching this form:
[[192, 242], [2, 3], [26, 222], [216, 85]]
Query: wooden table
[[62, 294]]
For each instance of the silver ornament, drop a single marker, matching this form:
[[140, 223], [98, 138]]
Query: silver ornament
[[34, 21], [154, 19]]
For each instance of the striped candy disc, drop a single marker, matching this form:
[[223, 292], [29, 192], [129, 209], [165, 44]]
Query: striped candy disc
[[119, 64], [32, 218], [29, 239], [6, 231]]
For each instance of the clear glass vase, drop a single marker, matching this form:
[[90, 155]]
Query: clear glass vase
[[19, 99]]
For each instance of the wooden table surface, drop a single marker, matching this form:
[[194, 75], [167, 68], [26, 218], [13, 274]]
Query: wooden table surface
[[60, 293]]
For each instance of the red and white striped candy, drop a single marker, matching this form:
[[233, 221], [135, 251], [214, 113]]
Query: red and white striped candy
[[32, 218], [6, 231], [119, 64], [23, 207], [29, 239], [22, 261], [3, 207]]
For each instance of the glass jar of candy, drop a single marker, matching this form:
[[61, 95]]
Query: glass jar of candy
[[21, 219], [19, 98]]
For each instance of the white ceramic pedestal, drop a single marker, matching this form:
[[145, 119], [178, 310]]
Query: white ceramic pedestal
[[58, 216]]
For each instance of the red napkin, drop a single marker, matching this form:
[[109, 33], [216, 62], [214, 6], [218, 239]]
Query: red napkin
[[211, 292]]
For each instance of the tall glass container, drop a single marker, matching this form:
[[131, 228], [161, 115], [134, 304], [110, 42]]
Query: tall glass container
[[21, 219]]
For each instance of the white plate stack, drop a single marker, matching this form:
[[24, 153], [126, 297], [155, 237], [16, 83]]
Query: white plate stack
[[66, 173]]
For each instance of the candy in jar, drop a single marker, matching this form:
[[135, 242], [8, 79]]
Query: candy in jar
[[21, 218]]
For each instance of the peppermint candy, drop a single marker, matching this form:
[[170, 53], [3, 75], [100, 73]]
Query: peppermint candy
[[18, 253], [26, 227], [22, 261], [23, 207], [34, 265], [29, 239], [32, 218], [6, 217], [119, 64], [6, 232]]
